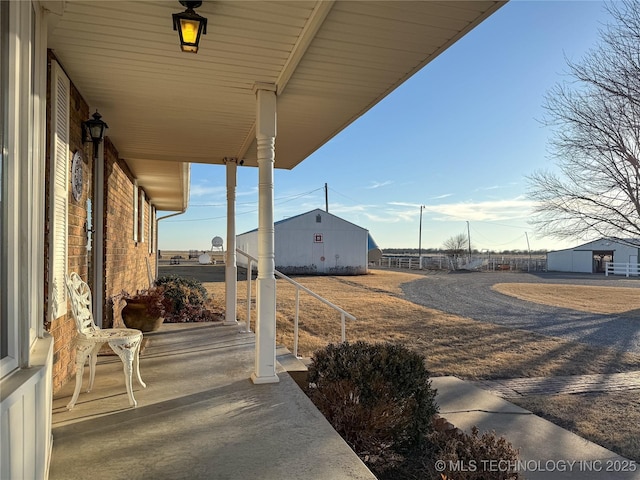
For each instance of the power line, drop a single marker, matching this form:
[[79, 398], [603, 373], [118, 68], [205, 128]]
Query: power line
[[280, 201], [210, 218], [343, 195], [291, 198], [218, 204], [492, 222]]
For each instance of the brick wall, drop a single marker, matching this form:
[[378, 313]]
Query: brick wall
[[125, 259], [63, 329]]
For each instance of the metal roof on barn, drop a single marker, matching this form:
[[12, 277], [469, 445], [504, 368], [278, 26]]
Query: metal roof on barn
[[316, 211]]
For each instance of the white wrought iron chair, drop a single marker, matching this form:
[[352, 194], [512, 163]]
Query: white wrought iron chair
[[125, 342]]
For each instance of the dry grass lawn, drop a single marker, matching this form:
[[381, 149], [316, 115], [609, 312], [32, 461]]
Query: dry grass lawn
[[453, 345], [470, 349], [577, 297]]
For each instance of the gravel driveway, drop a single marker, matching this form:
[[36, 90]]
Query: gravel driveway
[[469, 294]]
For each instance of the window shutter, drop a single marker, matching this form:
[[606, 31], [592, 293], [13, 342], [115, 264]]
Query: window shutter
[[151, 208], [135, 211], [60, 93], [142, 223]]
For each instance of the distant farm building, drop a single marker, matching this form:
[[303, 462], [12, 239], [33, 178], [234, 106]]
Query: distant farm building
[[315, 242], [593, 256], [375, 253]]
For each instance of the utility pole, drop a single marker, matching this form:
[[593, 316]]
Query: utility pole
[[420, 240], [469, 239], [326, 198], [529, 249]]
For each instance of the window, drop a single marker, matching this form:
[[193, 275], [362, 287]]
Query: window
[[152, 236], [142, 222], [4, 97], [22, 102], [318, 218]]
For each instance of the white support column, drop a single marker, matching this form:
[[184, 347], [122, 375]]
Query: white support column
[[265, 368], [231, 269]]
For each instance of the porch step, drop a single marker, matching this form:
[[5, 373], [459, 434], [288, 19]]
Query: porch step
[[295, 367], [288, 361]]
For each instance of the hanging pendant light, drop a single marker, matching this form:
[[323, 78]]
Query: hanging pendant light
[[190, 26]]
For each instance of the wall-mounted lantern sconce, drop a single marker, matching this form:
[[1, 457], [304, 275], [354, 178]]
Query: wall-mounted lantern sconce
[[190, 26], [94, 129]]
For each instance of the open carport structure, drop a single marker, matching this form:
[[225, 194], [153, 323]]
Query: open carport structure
[[594, 256]]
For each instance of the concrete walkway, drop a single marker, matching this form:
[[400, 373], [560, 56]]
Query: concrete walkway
[[571, 384], [200, 417], [547, 451]]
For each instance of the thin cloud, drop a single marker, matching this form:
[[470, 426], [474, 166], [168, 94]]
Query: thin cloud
[[440, 197], [375, 184], [338, 208], [251, 191], [404, 204], [216, 192], [202, 190], [490, 210]]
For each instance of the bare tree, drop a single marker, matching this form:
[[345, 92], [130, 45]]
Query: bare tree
[[455, 247], [596, 140]]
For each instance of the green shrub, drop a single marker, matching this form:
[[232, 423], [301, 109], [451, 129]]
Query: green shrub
[[377, 396], [184, 298]]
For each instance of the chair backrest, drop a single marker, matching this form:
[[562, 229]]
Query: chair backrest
[[80, 296]]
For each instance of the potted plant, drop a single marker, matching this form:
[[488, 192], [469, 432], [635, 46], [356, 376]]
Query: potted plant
[[145, 310]]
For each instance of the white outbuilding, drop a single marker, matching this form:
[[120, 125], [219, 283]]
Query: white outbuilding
[[315, 242], [593, 256]]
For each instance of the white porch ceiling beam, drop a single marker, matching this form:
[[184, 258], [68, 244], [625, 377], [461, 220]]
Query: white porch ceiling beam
[[313, 24], [316, 19]]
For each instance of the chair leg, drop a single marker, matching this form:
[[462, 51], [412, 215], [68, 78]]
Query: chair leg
[[93, 360], [136, 365], [126, 354], [128, 374], [82, 352]]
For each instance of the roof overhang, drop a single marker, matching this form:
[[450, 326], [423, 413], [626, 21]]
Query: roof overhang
[[330, 61], [165, 183]]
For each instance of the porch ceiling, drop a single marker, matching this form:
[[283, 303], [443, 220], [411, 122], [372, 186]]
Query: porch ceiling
[[330, 61]]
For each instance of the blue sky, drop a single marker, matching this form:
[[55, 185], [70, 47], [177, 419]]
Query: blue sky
[[459, 137]]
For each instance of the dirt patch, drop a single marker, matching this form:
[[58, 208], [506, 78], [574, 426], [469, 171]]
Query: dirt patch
[[606, 300]]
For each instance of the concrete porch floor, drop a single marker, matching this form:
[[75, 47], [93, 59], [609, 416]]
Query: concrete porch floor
[[200, 417]]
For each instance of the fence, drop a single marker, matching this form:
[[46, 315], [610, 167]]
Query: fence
[[626, 269], [519, 263]]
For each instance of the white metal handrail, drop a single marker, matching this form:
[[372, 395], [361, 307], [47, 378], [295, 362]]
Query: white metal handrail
[[343, 314]]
